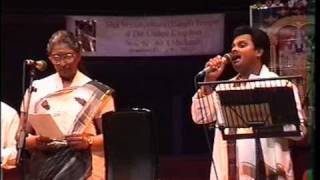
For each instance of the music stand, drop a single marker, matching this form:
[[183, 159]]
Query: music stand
[[263, 106]]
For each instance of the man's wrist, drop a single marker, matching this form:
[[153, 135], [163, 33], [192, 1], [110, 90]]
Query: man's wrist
[[204, 91]]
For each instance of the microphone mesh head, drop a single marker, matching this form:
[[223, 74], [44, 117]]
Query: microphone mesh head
[[229, 56]]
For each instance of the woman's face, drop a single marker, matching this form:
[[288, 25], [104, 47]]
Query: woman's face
[[65, 61]]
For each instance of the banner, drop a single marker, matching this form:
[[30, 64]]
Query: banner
[[149, 35]]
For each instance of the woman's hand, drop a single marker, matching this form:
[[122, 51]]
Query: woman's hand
[[80, 141], [36, 142]]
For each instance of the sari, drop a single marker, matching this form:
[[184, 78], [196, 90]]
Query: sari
[[73, 109]]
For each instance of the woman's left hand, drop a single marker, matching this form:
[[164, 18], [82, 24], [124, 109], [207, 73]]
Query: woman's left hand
[[80, 141]]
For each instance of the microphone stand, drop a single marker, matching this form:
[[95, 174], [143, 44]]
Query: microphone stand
[[205, 128], [24, 115]]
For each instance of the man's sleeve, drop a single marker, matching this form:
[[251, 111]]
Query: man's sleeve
[[202, 109]]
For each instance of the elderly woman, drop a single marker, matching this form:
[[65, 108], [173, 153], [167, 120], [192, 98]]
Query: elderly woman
[[76, 104]]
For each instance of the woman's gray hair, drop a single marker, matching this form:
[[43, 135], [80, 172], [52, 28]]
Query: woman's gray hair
[[64, 37]]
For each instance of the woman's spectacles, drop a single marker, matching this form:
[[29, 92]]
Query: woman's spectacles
[[57, 58]]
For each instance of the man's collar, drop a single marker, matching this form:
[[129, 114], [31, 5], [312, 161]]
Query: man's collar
[[264, 69]]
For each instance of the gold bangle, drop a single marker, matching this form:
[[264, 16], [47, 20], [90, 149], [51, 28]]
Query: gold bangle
[[90, 141]]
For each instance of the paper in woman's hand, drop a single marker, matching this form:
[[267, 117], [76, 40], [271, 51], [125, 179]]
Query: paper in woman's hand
[[45, 126]]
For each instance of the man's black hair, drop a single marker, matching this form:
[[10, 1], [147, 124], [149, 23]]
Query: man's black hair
[[260, 40]]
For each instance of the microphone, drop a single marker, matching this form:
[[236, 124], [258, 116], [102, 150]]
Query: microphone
[[227, 58], [41, 65]]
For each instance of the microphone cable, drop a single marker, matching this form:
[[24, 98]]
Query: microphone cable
[[205, 128]]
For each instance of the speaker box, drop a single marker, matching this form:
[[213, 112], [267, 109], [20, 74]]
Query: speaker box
[[131, 145]]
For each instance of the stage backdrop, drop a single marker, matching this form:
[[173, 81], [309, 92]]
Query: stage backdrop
[[149, 35], [290, 27]]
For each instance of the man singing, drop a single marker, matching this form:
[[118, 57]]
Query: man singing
[[251, 49]]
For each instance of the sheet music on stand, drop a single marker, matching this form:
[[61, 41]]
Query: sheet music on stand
[[268, 104]]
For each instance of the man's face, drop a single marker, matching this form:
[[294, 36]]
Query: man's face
[[65, 61], [243, 47]]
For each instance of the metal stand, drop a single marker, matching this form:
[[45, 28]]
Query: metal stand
[[264, 105], [24, 117], [260, 168]]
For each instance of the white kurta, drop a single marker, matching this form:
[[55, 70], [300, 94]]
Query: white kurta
[[9, 127], [52, 84], [275, 150]]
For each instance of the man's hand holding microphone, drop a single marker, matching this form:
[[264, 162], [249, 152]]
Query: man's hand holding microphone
[[213, 70]]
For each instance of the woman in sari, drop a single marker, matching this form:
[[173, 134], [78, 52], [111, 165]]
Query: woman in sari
[[76, 104]]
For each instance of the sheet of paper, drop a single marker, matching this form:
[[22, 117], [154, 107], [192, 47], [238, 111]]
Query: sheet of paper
[[45, 126]]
